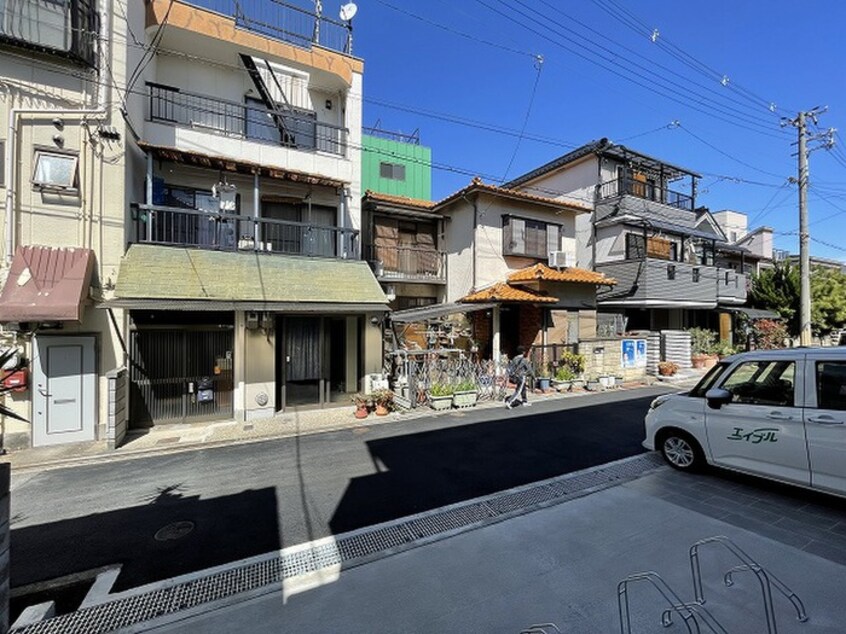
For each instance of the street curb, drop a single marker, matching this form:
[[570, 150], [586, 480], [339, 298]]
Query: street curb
[[109, 458]]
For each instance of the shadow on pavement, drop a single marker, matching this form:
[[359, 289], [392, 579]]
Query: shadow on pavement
[[171, 535], [427, 470]]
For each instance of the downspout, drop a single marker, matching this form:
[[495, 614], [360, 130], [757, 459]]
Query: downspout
[[14, 113]]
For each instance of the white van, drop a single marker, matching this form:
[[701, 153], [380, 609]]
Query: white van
[[775, 413]]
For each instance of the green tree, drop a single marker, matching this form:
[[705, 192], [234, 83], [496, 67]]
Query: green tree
[[778, 289]]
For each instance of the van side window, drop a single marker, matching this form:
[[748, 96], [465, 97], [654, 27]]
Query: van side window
[[831, 385], [762, 383]]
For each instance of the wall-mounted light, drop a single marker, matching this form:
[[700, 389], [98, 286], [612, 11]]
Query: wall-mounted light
[[375, 320], [59, 140], [58, 123], [328, 104]]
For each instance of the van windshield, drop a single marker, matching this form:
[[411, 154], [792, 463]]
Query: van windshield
[[708, 380]]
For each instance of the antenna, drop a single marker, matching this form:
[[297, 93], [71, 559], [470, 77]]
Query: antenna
[[348, 11]]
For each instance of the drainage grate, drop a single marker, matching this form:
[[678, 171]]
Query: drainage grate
[[353, 547]]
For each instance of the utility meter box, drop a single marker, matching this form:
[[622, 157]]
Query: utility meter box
[[205, 390]]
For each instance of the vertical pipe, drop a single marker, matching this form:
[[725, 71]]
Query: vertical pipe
[[149, 196], [256, 211], [495, 339]]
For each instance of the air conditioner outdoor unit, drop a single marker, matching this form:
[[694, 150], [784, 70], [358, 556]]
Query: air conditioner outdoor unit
[[561, 259]]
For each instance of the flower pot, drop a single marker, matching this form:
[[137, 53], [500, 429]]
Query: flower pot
[[441, 402], [698, 361], [577, 384], [606, 381], [361, 411], [666, 371], [467, 398], [381, 409], [543, 383], [711, 361], [593, 386]]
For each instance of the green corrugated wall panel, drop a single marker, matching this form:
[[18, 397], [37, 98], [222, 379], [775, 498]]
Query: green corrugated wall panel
[[162, 272], [418, 167]]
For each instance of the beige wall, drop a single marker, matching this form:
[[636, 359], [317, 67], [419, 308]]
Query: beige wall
[[491, 266], [91, 217]]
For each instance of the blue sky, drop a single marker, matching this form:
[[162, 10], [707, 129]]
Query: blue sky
[[776, 52]]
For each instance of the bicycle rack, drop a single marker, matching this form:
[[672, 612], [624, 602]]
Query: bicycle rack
[[689, 612], [766, 579]]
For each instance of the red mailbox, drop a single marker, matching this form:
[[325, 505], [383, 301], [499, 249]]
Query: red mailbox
[[17, 381]]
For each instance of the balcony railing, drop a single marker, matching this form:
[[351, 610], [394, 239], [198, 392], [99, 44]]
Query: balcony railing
[[175, 226], [284, 21], [302, 131], [70, 28], [732, 286], [646, 190], [402, 263], [656, 282]]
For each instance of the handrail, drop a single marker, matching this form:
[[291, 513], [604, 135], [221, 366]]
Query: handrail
[[765, 579], [647, 191]]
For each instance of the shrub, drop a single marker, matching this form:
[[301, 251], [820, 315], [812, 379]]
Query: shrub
[[769, 334], [565, 373], [467, 385], [574, 361], [702, 340]]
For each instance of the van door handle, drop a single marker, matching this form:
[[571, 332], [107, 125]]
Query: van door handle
[[779, 416], [824, 419]]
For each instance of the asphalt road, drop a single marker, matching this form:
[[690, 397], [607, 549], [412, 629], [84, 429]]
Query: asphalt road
[[250, 499]]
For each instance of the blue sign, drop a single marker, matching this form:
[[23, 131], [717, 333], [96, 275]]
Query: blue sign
[[629, 353], [640, 354], [633, 353]]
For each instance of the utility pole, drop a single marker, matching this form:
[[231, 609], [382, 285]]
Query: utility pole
[[800, 122]]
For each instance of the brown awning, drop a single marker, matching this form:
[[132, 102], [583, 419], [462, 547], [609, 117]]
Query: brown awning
[[47, 284]]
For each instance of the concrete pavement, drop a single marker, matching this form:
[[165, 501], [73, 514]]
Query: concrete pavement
[[562, 565], [178, 438]]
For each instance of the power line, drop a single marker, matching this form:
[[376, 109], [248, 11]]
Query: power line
[[449, 29], [726, 154], [654, 84], [629, 19]]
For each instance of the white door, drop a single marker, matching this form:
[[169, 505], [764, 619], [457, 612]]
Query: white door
[[761, 429], [825, 424], [64, 391]]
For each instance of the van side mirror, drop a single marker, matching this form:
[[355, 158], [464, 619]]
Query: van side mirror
[[717, 397]]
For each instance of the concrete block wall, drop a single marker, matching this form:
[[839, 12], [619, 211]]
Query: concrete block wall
[[604, 357], [117, 417]]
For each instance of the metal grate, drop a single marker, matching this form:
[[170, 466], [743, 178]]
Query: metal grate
[[348, 549]]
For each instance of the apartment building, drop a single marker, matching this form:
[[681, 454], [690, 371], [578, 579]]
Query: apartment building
[[231, 284], [647, 231]]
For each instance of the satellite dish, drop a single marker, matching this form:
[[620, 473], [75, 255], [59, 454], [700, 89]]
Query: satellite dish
[[348, 11]]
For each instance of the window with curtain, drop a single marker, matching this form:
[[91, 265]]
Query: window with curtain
[[529, 238]]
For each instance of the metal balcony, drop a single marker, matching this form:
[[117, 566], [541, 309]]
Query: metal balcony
[[175, 226], [232, 118], [647, 191], [68, 28]]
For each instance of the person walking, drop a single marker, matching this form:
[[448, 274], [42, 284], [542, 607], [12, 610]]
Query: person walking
[[519, 370]]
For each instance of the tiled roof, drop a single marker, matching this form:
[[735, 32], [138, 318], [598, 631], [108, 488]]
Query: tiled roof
[[398, 200], [570, 274], [503, 292], [476, 185]]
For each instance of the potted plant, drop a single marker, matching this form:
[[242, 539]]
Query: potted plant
[[564, 378], [543, 378], [702, 342], [667, 368], [384, 400], [465, 394], [593, 385], [361, 402], [440, 396], [719, 350]]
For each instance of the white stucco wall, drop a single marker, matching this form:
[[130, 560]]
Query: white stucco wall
[[732, 222], [491, 266]]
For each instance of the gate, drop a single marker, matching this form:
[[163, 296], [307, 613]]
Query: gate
[[169, 372]]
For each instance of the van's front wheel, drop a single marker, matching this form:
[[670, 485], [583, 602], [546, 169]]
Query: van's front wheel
[[681, 451]]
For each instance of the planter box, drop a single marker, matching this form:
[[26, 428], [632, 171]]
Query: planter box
[[593, 386], [465, 399], [562, 386], [577, 384], [440, 402]]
